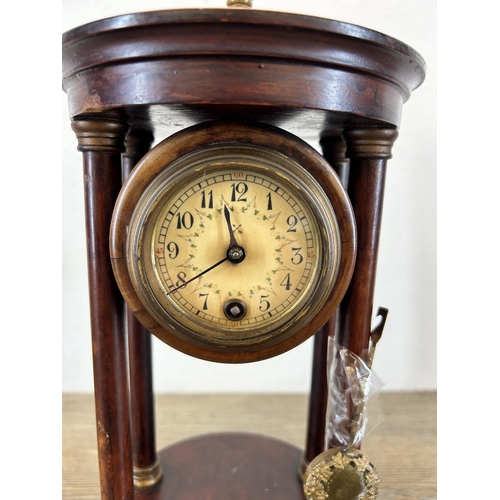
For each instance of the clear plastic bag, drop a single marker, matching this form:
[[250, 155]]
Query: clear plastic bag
[[352, 410]]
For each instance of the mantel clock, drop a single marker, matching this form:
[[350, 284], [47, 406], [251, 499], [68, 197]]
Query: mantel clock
[[213, 224]]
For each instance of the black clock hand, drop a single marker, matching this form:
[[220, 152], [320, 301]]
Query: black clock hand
[[227, 215], [235, 253], [198, 275]]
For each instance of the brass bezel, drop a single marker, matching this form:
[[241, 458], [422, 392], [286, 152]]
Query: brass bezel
[[206, 162]]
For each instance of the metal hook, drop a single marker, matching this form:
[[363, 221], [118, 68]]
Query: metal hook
[[376, 334]]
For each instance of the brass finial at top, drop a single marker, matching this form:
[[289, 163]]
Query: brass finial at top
[[239, 3]]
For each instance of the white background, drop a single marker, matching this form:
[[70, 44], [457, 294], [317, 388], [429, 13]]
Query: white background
[[406, 277]]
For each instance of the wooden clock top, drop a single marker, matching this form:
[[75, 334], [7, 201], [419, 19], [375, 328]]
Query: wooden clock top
[[173, 68]]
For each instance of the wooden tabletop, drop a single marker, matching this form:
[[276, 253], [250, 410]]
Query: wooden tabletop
[[402, 446]]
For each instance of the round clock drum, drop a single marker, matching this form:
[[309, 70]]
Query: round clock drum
[[233, 242]]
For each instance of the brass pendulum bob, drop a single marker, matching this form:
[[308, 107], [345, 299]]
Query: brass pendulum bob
[[344, 472]]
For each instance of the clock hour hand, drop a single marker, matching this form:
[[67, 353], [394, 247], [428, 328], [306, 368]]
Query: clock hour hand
[[235, 253]]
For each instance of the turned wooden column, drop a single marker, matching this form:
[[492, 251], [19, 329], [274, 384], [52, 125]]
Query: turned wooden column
[[334, 152], [101, 140], [368, 150], [146, 463]]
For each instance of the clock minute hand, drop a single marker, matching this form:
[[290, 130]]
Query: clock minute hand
[[198, 275], [235, 253]]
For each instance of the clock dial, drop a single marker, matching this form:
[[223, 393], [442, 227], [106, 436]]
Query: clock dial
[[234, 248], [234, 251]]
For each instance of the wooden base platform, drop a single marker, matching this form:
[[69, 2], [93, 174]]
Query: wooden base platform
[[228, 466]]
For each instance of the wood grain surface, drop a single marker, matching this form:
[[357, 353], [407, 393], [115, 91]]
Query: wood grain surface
[[402, 446]]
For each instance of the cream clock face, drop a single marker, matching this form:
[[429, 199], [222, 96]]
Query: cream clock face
[[227, 244], [235, 249], [232, 249]]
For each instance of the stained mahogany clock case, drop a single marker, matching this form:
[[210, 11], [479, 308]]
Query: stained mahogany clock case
[[135, 80]]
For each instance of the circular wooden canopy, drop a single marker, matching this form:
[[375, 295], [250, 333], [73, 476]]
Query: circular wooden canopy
[[173, 68]]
